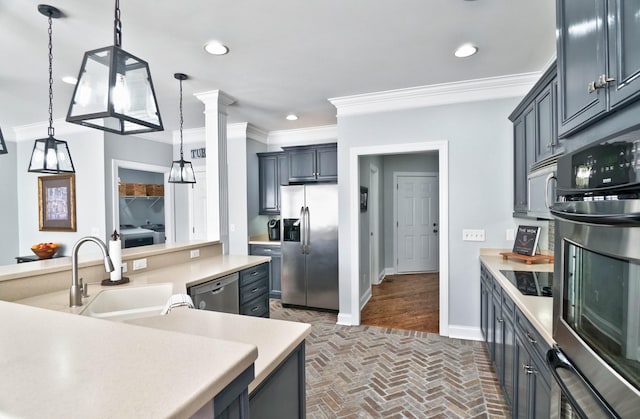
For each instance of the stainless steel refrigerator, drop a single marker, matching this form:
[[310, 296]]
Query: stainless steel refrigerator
[[309, 237]]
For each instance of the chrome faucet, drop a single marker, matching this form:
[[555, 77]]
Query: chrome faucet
[[77, 288]]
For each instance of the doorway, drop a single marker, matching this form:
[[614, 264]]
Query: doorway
[[117, 166], [350, 314], [198, 206], [374, 225]]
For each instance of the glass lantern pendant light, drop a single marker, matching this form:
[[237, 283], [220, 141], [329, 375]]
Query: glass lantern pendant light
[[181, 170], [114, 91], [50, 155], [3, 145]]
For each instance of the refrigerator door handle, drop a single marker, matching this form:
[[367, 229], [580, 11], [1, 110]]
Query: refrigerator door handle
[[302, 231], [307, 234]]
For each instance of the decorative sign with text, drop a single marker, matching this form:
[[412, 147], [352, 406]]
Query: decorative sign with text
[[198, 153], [526, 240]]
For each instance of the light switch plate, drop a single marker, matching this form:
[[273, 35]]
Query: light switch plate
[[511, 234], [473, 235], [195, 253], [139, 264]]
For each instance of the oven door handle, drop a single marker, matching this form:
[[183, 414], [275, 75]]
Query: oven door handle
[[608, 219], [572, 383]]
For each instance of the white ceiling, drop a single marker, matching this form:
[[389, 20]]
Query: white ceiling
[[286, 55]]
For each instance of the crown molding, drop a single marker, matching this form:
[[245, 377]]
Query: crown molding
[[38, 130], [516, 85], [304, 136]]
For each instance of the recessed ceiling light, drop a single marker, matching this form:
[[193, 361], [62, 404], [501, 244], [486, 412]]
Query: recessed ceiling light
[[292, 117], [215, 48], [70, 80], [465, 50]]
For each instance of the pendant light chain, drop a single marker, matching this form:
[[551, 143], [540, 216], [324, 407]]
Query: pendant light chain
[[181, 120], [51, 133], [117, 26]]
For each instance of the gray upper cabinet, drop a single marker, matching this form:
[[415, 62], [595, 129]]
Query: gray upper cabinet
[[624, 54], [598, 60], [534, 134], [273, 169], [545, 140], [313, 163]]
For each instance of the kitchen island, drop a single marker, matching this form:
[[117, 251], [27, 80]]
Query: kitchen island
[[56, 363]]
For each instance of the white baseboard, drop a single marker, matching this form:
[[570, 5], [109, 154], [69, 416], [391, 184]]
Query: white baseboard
[[364, 299], [345, 320], [465, 332], [389, 271]]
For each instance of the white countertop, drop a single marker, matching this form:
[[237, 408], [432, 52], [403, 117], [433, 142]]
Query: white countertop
[[263, 239], [275, 339], [181, 276], [126, 370], [61, 365], [538, 310]]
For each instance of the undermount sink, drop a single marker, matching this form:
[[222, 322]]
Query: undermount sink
[[130, 302]]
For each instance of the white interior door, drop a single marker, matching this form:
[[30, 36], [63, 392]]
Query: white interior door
[[198, 203], [417, 223]]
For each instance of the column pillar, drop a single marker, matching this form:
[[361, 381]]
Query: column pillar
[[215, 124]]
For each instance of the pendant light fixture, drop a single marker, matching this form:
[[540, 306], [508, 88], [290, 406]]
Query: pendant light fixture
[[3, 145], [181, 170], [50, 155], [114, 91]]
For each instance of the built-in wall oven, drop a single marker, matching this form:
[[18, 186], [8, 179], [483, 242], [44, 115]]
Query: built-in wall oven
[[596, 362]]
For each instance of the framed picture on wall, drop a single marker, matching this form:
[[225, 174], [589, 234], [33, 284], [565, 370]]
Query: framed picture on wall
[[364, 197], [57, 203]]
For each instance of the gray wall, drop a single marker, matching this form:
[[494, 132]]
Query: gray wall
[[418, 162], [480, 185], [129, 148], [257, 224], [9, 209]]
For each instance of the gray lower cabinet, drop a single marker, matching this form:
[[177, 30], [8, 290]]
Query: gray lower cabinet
[[598, 61], [273, 171], [282, 395], [317, 163], [254, 291], [532, 379], [516, 350], [233, 401], [274, 250]]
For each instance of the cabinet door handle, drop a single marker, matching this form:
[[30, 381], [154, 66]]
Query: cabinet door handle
[[531, 339], [253, 291], [603, 81], [500, 320]]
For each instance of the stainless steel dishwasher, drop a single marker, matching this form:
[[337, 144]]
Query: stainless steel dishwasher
[[220, 294]]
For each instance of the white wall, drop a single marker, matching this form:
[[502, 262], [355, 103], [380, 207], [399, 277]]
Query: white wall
[[480, 185], [9, 215], [257, 224], [87, 152], [237, 188]]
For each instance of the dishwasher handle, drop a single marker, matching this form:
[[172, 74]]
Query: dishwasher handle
[[215, 286]]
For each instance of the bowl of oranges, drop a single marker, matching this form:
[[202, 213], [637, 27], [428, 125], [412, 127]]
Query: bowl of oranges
[[45, 250]]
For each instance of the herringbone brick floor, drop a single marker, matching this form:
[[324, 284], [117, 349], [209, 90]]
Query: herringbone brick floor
[[375, 372]]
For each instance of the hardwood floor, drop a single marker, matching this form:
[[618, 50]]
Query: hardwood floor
[[409, 302]]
